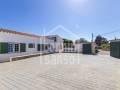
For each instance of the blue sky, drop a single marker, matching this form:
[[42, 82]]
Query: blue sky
[[81, 17]]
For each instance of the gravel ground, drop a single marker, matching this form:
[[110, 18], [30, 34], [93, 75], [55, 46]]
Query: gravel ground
[[61, 72]]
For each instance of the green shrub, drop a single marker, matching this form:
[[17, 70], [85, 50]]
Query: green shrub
[[105, 47]]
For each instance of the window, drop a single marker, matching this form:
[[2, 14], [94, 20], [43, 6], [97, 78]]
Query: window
[[46, 47], [13, 47], [31, 45], [38, 47], [42, 47], [55, 39], [10, 48], [16, 47]]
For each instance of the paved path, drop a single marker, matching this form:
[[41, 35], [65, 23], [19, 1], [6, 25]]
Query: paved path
[[104, 52], [74, 72]]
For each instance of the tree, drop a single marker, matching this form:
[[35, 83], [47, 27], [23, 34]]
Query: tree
[[104, 40], [68, 43], [81, 40], [100, 40]]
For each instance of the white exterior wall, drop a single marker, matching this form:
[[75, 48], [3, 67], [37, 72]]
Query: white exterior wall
[[93, 48], [49, 42], [59, 44], [9, 37], [16, 38], [79, 48]]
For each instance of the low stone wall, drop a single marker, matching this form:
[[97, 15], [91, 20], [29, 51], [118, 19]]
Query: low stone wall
[[19, 56]]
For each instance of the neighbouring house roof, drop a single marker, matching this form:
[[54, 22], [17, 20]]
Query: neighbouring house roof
[[54, 37], [20, 33], [51, 36], [118, 40]]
